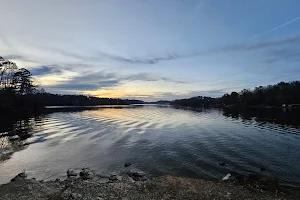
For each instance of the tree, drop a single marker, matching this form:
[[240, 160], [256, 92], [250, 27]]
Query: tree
[[23, 82], [7, 70]]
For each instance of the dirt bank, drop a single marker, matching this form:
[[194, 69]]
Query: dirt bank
[[117, 187]]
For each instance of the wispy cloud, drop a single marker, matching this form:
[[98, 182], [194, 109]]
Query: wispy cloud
[[44, 70], [100, 80], [13, 57], [150, 61], [102, 56], [256, 46], [277, 27], [150, 77]]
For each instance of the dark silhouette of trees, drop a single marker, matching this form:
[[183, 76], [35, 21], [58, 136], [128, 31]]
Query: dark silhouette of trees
[[23, 82], [262, 96], [16, 88]]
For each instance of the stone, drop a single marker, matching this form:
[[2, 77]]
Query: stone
[[115, 178], [86, 174], [127, 164], [137, 175], [20, 176], [72, 172], [227, 177]]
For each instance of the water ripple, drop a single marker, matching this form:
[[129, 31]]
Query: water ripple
[[158, 140]]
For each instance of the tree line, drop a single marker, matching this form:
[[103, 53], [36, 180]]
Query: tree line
[[283, 93], [19, 92]]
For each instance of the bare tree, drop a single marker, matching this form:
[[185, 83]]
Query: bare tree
[[7, 70]]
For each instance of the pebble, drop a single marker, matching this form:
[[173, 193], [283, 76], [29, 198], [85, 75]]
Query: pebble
[[86, 174], [72, 172], [20, 176], [127, 164], [115, 178]]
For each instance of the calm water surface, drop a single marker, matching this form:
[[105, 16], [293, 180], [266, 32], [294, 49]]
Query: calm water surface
[[158, 140]]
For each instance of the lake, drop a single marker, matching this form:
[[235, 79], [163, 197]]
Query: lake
[[156, 139]]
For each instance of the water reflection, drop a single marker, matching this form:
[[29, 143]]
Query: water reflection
[[281, 116], [276, 117], [156, 139], [14, 130]]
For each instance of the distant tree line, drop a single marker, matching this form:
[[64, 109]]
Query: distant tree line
[[49, 99], [18, 92], [262, 96]]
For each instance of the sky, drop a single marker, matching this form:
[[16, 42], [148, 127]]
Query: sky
[[152, 49]]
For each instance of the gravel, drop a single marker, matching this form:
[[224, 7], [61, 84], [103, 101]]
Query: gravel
[[164, 187]]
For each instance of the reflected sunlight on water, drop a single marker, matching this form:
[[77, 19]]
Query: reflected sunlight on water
[[158, 140]]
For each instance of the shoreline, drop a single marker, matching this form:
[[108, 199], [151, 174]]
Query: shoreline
[[134, 184]]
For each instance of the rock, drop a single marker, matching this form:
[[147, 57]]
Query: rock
[[226, 177], [127, 179], [72, 172], [115, 178], [86, 174], [20, 176], [137, 175], [222, 163], [71, 196], [57, 180], [127, 164]]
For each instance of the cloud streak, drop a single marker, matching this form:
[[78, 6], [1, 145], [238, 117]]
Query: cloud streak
[[277, 27], [100, 80], [44, 70], [102, 56]]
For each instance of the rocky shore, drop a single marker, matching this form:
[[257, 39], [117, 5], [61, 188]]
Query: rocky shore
[[133, 184]]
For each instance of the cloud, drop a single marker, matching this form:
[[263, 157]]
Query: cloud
[[257, 46], [283, 54], [150, 61], [72, 85], [149, 77], [100, 80], [224, 49], [44, 70], [13, 57], [277, 27], [102, 56]]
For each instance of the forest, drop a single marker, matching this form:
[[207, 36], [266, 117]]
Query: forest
[[280, 94]]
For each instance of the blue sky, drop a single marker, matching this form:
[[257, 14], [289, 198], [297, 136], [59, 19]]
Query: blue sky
[[153, 49]]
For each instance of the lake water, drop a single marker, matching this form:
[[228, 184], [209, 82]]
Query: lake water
[[158, 140]]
